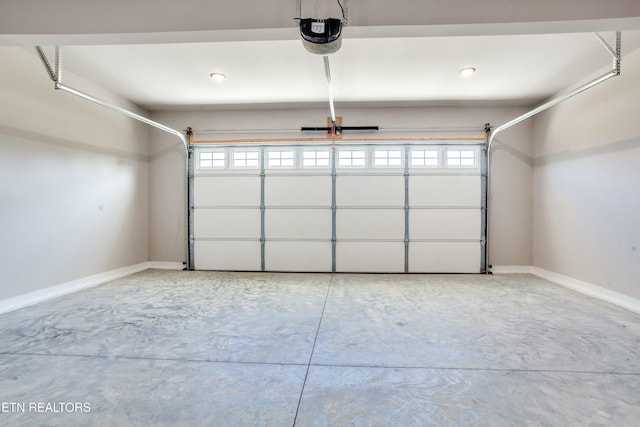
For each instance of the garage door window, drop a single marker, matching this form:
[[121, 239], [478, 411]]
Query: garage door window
[[246, 159], [425, 158], [280, 159], [211, 159], [315, 158], [387, 158], [462, 158], [352, 158]]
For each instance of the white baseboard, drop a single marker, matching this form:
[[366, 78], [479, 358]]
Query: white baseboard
[[590, 289], [585, 288], [20, 301]]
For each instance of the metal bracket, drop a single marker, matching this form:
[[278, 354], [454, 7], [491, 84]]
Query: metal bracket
[[618, 60], [616, 52], [344, 7], [611, 50], [47, 65]]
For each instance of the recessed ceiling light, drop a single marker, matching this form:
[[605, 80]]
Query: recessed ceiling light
[[217, 77], [466, 72]]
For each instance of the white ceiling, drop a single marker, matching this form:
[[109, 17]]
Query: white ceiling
[[516, 69], [159, 53]]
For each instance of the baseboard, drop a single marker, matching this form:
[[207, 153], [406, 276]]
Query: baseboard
[[512, 269], [585, 288], [592, 290], [20, 301]]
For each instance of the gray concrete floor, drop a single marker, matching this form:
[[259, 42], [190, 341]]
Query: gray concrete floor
[[247, 349]]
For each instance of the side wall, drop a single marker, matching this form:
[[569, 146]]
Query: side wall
[[73, 181], [587, 185], [512, 165]]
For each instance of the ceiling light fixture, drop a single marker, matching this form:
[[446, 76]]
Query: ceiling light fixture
[[466, 72], [217, 77]]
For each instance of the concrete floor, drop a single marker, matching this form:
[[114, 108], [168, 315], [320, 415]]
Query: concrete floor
[[247, 349]]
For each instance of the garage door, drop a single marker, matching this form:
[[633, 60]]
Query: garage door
[[356, 208]]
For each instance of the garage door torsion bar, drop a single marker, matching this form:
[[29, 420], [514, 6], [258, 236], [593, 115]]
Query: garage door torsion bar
[[617, 57], [323, 129], [56, 77]]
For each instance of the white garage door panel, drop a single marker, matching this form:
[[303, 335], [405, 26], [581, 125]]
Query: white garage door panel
[[370, 223], [444, 224], [369, 190], [297, 223], [444, 190], [301, 209], [444, 257], [227, 255], [298, 256], [227, 223], [374, 257], [297, 190], [227, 191]]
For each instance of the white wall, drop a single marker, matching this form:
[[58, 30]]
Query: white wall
[[73, 181], [83, 192], [587, 185], [512, 165]]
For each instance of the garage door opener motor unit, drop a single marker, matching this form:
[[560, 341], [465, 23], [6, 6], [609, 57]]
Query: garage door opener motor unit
[[322, 36]]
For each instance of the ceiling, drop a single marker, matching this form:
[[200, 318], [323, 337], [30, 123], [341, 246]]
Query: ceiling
[[160, 53], [515, 69]]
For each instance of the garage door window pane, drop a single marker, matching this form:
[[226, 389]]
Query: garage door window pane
[[464, 158], [388, 158], [278, 159], [318, 158], [426, 158], [352, 158], [211, 159], [246, 159]]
